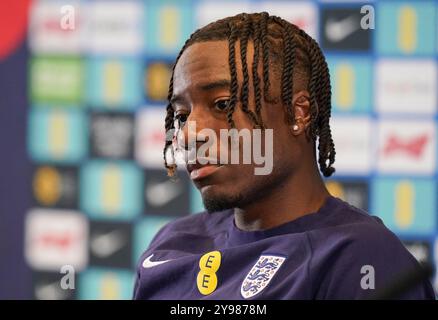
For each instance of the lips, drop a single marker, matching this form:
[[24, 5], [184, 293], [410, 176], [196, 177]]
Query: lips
[[198, 171]]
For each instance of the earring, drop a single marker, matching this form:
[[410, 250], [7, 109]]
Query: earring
[[295, 127]]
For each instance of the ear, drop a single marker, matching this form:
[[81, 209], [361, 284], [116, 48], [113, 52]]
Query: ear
[[301, 107]]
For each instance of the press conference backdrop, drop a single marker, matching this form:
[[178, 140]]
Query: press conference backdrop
[[96, 114]]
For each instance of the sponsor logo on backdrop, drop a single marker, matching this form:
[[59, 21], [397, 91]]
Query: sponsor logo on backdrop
[[55, 238], [47, 286], [354, 192], [112, 135], [351, 81], [164, 196], [56, 79], [167, 25], [156, 80], [352, 137], [115, 27], [57, 135], [341, 30], [406, 147], [302, 14], [406, 86], [111, 189], [105, 284], [413, 147], [55, 186], [46, 32], [406, 206], [114, 83], [405, 28], [111, 244]]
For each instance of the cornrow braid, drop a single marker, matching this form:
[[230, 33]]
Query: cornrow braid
[[255, 74], [288, 66], [234, 87], [300, 59], [326, 147], [246, 31], [265, 49]]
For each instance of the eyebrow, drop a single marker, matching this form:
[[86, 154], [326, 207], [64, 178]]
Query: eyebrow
[[218, 84]]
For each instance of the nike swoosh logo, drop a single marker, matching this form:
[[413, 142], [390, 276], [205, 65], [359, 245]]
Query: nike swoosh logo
[[337, 31], [104, 245], [162, 193], [147, 263]]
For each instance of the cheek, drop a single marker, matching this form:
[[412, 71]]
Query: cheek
[[287, 150]]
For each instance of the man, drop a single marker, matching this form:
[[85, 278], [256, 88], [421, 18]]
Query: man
[[269, 236]]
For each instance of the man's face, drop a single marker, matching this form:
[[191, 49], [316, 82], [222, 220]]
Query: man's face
[[201, 92]]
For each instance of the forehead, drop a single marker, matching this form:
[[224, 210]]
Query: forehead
[[202, 62]]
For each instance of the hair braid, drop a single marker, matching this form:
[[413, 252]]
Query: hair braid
[[265, 56], [246, 31], [255, 74], [234, 84], [287, 76]]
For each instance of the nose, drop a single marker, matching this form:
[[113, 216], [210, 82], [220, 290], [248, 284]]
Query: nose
[[191, 137]]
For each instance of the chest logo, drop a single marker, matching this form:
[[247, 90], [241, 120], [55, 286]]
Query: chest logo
[[207, 279], [147, 263], [260, 275]]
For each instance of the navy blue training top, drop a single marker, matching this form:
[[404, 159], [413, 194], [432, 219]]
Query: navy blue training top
[[338, 252]]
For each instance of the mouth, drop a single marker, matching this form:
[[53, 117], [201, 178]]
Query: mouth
[[198, 171]]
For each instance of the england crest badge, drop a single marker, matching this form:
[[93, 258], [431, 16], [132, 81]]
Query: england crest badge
[[260, 275]]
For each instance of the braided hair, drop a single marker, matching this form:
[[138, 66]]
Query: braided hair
[[294, 54]]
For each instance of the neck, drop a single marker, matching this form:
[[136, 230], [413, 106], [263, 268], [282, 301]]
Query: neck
[[300, 195]]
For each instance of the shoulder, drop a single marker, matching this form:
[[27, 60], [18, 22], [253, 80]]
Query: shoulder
[[353, 233], [346, 250]]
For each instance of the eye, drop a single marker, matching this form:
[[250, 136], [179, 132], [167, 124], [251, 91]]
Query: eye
[[181, 119], [222, 105]]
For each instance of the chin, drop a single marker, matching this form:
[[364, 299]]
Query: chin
[[214, 200]]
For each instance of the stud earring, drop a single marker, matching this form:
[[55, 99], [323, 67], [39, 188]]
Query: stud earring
[[295, 127]]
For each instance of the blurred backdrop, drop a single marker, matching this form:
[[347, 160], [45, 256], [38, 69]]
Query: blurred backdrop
[[82, 95]]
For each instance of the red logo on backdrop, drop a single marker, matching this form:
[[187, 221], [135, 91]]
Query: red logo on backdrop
[[13, 25], [55, 26], [59, 241], [413, 147]]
